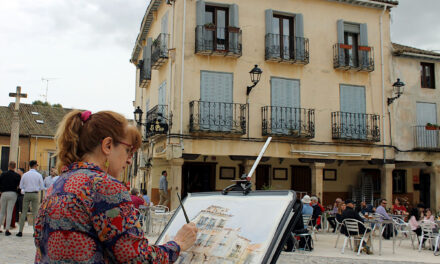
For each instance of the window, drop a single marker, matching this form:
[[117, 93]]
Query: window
[[283, 35], [351, 55], [427, 75], [219, 17], [399, 181]]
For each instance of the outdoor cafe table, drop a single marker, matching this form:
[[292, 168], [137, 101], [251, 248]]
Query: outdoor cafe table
[[382, 224]]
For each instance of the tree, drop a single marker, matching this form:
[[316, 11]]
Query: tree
[[38, 102]]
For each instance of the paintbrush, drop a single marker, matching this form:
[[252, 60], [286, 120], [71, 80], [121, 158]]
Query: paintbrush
[[183, 209]]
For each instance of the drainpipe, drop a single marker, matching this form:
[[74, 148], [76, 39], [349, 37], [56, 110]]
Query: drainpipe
[[383, 83], [182, 77], [170, 68]]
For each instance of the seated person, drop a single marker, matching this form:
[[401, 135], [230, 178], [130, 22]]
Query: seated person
[[366, 208], [307, 209], [399, 208], [382, 211], [137, 201], [317, 211], [333, 212], [350, 213], [146, 197]]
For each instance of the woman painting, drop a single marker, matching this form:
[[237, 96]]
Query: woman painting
[[87, 215]]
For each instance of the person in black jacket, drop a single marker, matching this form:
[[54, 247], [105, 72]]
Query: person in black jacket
[[9, 182], [350, 213]]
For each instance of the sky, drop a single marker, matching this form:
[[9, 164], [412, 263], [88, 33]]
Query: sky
[[83, 48]]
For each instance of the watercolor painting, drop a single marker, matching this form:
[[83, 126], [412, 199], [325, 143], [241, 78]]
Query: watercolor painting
[[233, 229]]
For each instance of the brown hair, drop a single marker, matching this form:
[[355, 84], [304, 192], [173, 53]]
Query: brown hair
[[74, 138]]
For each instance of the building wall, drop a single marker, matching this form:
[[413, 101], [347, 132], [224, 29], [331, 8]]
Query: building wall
[[23, 150], [39, 151]]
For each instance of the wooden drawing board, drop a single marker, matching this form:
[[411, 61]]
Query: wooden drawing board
[[234, 228]]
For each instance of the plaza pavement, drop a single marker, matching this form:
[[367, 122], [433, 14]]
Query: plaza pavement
[[16, 250]]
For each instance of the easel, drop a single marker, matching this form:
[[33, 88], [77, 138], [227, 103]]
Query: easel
[[244, 184]]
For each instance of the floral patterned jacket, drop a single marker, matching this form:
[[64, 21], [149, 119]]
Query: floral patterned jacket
[[87, 217]]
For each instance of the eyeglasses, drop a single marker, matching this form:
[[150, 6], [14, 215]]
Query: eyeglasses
[[130, 150]]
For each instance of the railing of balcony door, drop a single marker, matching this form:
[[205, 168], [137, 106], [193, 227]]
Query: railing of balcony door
[[212, 40], [159, 51], [288, 121], [355, 126], [285, 48], [346, 57], [426, 138]]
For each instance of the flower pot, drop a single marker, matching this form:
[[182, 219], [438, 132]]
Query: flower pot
[[431, 128]]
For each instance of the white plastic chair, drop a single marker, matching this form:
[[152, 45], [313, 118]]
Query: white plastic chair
[[159, 217], [436, 248], [338, 231], [404, 229], [352, 226], [427, 233]]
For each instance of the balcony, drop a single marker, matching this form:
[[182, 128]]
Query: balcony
[[144, 74], [288, 121], [288, 49], [355, 126], [159, 51], [211, 40], [157, 121], [345, 57], [425, 139], [215, 117]]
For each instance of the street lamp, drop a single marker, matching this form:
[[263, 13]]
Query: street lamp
[[398, 88], [138, 115], [255, 78]]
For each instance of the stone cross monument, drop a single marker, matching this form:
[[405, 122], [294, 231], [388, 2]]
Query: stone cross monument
[[15, 126]]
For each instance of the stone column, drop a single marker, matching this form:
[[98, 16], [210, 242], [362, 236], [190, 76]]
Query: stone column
[[435, 186], [386, 182], [317, 179], [175, 181], [247, 164], [15, 129]]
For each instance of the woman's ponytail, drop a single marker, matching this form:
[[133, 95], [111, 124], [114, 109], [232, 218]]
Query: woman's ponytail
[[67, 139]]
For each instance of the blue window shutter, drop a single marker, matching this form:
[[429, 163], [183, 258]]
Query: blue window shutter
[[200, 10], [364, 58], [200, 20], [285, 98], [341, 57], [164, 23], [270, 39], [147, 59], [426, 113], [162, 93], [216, 87], [353, 120], [299, 37], [233, 22]]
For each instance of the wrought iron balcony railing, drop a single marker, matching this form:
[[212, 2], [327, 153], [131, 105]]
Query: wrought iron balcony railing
[[159, 51], [426, 139], [144, 74], [355, 126], [217, 117], [218, 41], [284, 48], [345, 57], [157, 121], [288, 121]]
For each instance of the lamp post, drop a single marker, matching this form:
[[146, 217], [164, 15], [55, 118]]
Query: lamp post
[[398, 88], [138, 116], [255, 74]]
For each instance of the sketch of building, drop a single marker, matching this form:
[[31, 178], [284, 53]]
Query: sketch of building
[[217, 244]]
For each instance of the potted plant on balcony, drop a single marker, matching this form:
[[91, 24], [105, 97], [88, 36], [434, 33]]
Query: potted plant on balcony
[[430, 126], [210, 26], [345, 46]]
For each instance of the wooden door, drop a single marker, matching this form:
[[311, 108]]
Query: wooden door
[[262, 177], [302, 179], [198, 177]]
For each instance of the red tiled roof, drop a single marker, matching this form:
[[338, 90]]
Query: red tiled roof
[[402, 49]]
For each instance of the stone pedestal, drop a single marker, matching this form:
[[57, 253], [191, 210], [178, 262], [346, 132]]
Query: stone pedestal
[[317, 179], [175, 181]]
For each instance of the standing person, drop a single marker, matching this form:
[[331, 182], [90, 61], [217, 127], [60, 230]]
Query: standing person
[[9, 182], [19, 203], [49, 180], [88, 208], [31, 183], [163, 189]]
